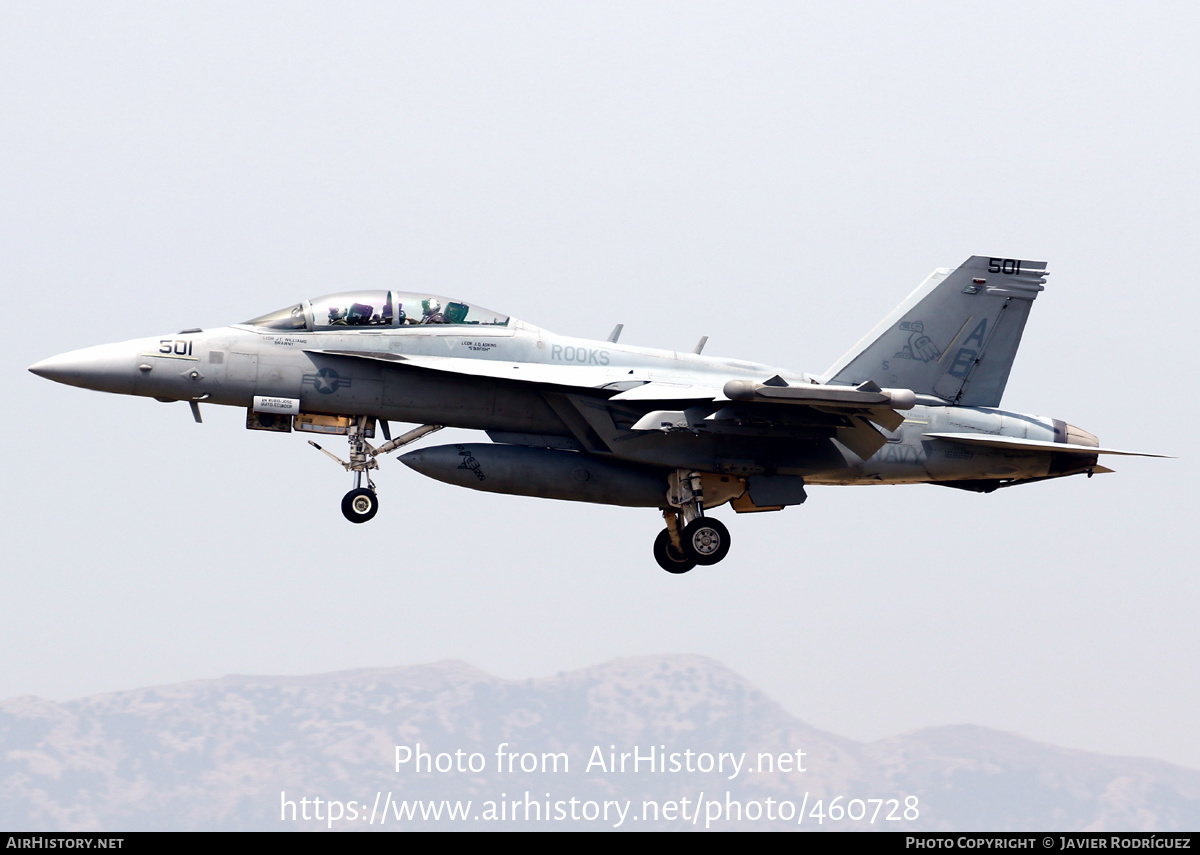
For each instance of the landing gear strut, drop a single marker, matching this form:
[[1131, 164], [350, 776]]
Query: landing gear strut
[[361, 503], [690, 538]]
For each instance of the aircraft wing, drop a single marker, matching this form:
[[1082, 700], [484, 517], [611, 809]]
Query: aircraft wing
[[658, 390], [848, 414], [778, 409], [629, 385], [577, 376]]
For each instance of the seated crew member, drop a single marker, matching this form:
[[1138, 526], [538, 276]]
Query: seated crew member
[[432, 311]]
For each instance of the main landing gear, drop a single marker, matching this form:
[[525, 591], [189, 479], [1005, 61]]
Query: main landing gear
[[361, 503], [690, 538]]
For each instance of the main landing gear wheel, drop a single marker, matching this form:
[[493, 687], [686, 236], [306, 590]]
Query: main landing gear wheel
[[705, 541], [668, 557], [360, 505]]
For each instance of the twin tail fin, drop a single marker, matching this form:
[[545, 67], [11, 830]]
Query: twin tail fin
[[954, 338]]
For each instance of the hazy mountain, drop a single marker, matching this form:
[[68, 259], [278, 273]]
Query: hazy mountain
[[235, 752]]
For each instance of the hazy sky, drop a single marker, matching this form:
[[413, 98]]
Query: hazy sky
[[774, 176]]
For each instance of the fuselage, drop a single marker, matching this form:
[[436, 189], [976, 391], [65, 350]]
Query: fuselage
[[409, 375]]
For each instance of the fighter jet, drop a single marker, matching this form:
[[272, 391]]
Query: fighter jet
[[916, 401]]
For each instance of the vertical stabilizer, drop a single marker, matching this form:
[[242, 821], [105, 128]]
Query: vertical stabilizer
[[955, 337]]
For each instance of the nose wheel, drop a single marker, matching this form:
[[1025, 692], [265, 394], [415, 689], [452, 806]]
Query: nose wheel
[[360, 505]]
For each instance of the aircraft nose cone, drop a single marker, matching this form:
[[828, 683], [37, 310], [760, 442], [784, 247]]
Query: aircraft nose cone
[[58, 368], [106, 368]]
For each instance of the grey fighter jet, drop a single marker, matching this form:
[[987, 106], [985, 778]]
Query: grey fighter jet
[[916, 401]]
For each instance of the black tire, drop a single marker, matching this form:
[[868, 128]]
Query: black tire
[[360, 505], [668, 557], [705, 541]]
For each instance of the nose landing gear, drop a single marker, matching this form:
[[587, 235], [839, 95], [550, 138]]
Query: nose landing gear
[[361, 504]]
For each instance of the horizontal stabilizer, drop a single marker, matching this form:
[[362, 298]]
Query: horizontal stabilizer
[[1012, 443]]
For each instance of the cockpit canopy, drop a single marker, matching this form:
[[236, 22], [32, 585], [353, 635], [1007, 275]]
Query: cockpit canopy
[[377, 309]]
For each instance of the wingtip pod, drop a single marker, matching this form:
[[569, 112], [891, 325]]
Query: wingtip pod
[[739, 390], [901, 399], [866, 395]]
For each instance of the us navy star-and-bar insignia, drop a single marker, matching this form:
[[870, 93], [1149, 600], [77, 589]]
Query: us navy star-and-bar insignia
[[326, 381]]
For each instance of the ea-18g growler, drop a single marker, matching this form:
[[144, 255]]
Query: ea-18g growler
[[916, 401]]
